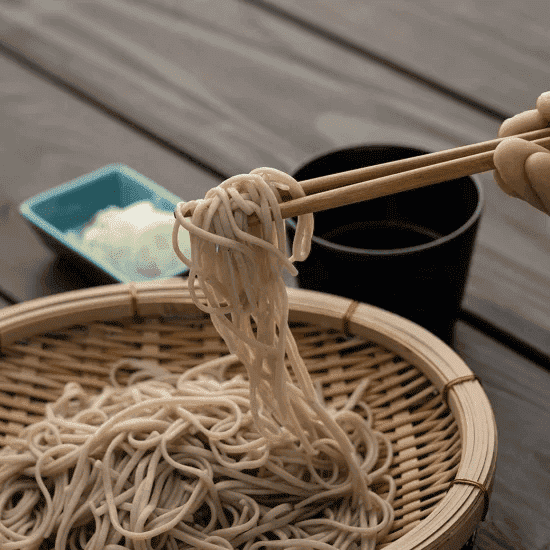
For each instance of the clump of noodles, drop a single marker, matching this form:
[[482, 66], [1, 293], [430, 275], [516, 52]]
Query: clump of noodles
[[209, 459], [175, 462], [238, 264], [239, 268]]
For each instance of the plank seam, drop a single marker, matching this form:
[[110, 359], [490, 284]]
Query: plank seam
[[507, 339], [23, 60], [378, 58]]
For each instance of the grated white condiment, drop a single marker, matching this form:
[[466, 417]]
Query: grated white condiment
[[136, 240]]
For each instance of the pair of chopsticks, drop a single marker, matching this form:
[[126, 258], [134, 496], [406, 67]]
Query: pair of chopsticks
[[393, 177]]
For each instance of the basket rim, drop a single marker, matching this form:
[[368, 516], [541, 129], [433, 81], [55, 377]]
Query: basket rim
[[460, 510]]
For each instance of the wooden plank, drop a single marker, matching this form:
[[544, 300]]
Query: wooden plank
[[241, 88], [519, 392], [509, 280], [228, 82], [492, 52], [28, 269], [48, 137]]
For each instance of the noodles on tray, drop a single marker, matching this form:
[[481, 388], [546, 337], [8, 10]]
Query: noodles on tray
[[208, 459]]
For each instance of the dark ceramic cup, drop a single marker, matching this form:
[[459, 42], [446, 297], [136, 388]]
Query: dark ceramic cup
[[408, 253]]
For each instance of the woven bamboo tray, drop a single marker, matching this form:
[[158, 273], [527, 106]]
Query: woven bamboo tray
[[426, 398]]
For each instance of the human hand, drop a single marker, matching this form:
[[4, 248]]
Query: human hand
[[522, 167]]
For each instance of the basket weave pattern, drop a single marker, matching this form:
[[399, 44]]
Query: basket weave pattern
[[406, 405]]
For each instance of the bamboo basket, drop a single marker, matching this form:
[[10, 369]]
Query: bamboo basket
[[426, 399]]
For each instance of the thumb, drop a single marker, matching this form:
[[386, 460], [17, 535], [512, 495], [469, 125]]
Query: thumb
[[510, 157], [523, 122], [537, 169]]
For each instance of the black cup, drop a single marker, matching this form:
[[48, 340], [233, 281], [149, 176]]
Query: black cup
[[408, 253]]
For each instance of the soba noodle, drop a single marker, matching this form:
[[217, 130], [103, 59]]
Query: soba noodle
[[211, 458], [176, 462], [239, 267]]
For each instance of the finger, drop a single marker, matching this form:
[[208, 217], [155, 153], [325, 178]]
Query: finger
[[543, 105], [537, 169], [504, 186], [509, 158], [524, 122]]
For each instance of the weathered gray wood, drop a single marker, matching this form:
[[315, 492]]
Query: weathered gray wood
[[48, 137], [493, 51], [228, 82], [509, 281], [519, 392], [235, 85], [83, 140], [26, 262]]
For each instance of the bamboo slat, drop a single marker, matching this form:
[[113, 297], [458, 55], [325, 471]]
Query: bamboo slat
[[519, 391], [75, 336]]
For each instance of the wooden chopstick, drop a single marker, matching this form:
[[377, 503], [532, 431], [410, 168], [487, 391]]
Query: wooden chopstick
[[393, 177], [333, 181], [402, 175]]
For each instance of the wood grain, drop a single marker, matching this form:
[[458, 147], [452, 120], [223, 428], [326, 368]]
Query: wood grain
[[509, 280], [396, 177], [237, 86], [48, 137], [519, 392], [28, 269], [228, 82], [495, 52]]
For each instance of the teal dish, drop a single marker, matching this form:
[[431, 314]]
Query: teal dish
[[63, 211]]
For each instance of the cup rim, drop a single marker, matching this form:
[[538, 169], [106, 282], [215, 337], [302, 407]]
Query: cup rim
[[397, 251]]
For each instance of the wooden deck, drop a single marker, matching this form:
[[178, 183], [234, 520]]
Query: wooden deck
[[189, 93]]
